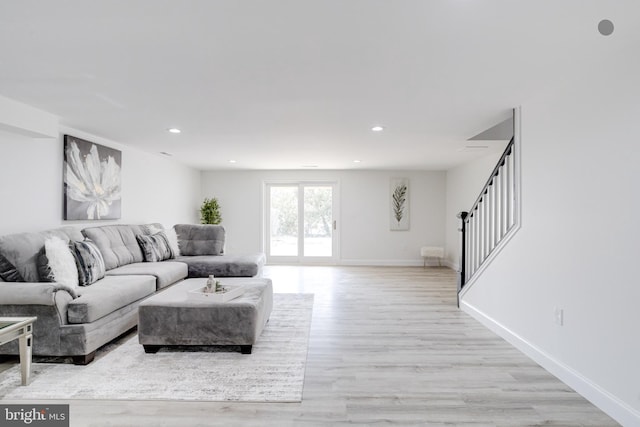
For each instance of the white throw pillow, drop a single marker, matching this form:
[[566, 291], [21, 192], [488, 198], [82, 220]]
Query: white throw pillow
[[61, 262], [172, 239], [152, 229]]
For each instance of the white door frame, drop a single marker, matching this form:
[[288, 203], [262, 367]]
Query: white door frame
[[335, 208]]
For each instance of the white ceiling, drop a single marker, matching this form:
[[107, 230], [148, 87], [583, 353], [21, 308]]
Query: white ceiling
[[277, 84]]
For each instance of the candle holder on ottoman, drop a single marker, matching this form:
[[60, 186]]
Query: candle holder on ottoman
[[178, 316]]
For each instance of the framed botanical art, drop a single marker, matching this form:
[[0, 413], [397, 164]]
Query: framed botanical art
[[91, 180], [399, 204]]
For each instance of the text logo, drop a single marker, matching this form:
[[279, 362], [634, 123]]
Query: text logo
[[34, 415]]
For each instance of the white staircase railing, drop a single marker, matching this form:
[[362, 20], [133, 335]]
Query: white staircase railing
[[492, 217]]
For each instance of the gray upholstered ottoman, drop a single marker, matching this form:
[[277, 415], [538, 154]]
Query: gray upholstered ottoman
[[171, 317]]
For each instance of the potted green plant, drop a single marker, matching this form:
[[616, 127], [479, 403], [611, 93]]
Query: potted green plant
[[210, 212]]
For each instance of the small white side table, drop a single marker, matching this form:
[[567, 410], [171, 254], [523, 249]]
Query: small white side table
[[22, 329], [431, 252]]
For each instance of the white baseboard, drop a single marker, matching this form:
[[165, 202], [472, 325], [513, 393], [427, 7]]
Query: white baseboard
[[372, 263], [452, 265], [608, 403], [382, 262]]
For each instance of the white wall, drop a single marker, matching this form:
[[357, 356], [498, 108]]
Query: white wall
[[363, 218], [464, 184], [154, 188], [578, 246]]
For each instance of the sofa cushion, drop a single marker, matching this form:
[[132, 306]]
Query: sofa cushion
[[224, 265], [108, 295], [89, 262], [8, 271], [22, 249], [154, 247], [117, 243], [166, 272], [200, 239]]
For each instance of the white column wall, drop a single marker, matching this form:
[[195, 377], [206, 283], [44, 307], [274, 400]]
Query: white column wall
[[578, 245]]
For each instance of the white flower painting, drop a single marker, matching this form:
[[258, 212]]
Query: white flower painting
[[91, 180]]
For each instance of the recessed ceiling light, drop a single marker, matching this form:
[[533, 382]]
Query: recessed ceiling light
[[377, 128], [174, 130], [357, 161], [232, 161]]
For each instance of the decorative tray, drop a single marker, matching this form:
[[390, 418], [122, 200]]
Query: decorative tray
[[228, 293]]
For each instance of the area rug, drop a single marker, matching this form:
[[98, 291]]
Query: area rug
[[274, 372]]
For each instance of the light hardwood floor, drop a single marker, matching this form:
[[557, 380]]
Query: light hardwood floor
[[388, 346]]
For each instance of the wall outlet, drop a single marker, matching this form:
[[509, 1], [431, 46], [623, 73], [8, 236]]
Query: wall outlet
[[558, 315]]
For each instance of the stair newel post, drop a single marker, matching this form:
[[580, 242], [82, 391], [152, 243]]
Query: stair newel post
[[463, 253]]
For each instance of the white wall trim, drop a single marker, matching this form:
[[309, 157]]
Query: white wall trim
[[382, 262], [517, 143], [364, 263], [360, 263], [452, 265], [615, 408]]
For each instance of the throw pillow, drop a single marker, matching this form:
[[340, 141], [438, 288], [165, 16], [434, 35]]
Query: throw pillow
[[60, 264], [151, 229], [42, 264], [89, 262], [172, 239], [155, 247], [8, 271]]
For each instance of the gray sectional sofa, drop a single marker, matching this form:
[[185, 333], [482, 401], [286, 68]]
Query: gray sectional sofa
[[77, 321], [199, 242]]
